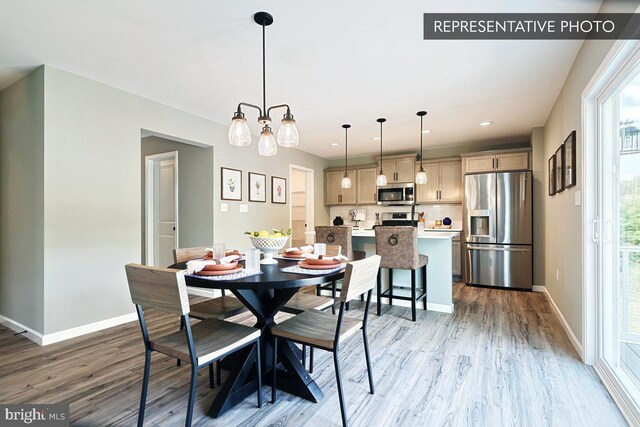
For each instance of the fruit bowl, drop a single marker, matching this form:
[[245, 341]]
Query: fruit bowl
[[269, 246]]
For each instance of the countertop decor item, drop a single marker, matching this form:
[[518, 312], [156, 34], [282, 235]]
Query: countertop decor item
[[446, 220], [421, 176], [382, 178], [338, 221], [346, 181], [239, 132]]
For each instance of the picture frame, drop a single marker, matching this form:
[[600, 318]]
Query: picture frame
[[278, 190], [552, 175], [257, 187], [570, 160], [559, 169], [230, 184]]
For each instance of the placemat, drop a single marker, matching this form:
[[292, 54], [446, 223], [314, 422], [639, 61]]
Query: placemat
[[299, 270], [226, 277]]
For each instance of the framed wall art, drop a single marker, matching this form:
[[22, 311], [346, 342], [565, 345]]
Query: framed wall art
[[278, 190], [257, 187], [560, 169], [552, 175], [570, 160], [230, 184]]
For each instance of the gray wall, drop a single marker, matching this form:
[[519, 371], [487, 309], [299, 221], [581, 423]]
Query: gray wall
[[195, 188], [22, 201], [75, 207], [562, 219]]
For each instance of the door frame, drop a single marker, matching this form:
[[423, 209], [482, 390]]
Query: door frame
[[151, 163], [309, 191], [623, 57]]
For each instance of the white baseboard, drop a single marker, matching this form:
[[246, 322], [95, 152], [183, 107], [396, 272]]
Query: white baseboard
[[624, 402], [19, 327], [55, 337], [572, 338], [538, 288]]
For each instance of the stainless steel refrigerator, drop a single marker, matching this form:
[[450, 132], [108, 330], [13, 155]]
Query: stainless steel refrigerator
[[499, 230]]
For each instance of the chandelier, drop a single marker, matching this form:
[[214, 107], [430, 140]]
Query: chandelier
[[239, 132]]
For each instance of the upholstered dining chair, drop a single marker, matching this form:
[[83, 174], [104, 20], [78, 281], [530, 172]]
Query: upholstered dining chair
[[398, 247], [200, 345], [320, 329]]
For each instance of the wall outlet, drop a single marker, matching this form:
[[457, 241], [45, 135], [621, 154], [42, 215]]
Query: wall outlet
[[577, 198], [557, 274], [244, 208], [224, 207]]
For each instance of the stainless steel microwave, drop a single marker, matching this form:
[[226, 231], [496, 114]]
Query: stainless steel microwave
[[397, 194]]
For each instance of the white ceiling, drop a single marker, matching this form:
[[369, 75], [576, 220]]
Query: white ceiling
[[332, 61]]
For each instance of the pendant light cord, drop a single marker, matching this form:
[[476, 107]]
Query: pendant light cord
[[380, 148], [421, 117], [264, 72], [346, 144]]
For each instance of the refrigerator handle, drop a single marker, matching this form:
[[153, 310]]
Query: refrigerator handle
[[523, 188]]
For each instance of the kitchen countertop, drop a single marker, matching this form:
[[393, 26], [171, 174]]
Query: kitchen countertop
[[428, 234]]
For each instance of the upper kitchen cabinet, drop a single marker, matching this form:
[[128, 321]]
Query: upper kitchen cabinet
[[399, 168], [367, 191], [334, 194], [498, 161], [444, 182]]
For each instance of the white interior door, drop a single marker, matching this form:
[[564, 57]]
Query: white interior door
[[161, 208], [302, 205]]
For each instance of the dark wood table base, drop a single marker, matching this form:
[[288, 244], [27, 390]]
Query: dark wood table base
[[293, 378]]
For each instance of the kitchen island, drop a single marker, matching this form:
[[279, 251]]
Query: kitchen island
[[437, 246]]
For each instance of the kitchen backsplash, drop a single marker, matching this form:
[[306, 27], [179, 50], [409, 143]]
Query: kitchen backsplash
[[431, 213]]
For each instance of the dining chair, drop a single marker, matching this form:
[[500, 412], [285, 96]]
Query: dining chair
[[212, 308], [338, 235], [320, 329], [398, 247], [200, 344]]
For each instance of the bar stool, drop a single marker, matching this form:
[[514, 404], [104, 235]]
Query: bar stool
[[398, 247], [338, 235]]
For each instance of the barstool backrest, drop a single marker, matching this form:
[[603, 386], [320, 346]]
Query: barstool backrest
[[187, 254], [161, 288], [398, 247], [336, 235]]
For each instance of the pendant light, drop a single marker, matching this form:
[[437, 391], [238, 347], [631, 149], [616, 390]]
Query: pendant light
[[382, 178], [346, 181], [421, 176], [239, 132]]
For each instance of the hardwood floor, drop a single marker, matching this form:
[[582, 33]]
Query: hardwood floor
[[501, 359]]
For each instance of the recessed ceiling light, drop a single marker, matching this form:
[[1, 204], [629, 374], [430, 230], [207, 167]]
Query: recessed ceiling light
[[426, 131], [487, 123], [335, 144], [376, 138]]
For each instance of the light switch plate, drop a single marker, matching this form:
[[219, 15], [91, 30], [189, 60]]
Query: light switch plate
[[244, 208], [577, 198], [224, 207]]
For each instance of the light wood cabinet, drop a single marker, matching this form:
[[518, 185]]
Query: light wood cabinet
[[512, 161], [367, 191], [497, 162], [334, 194], [399, 169], [444, 182]]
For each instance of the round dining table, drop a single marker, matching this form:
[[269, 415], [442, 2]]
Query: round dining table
[[264, 295]]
